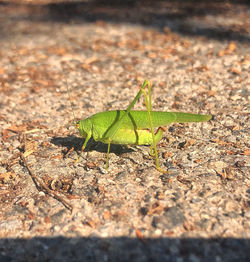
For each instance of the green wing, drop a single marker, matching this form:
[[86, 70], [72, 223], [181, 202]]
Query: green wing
[[139, 119]]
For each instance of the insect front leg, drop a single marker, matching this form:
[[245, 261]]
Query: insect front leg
[[83, 147]]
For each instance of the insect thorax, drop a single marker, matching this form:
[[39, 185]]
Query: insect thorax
[[84, 127]]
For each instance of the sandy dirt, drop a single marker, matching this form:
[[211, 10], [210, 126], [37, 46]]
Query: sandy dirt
[[196, 55]]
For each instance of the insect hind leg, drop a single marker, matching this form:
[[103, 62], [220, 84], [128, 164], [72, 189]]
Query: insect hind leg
[[158, 136], [147, 97]]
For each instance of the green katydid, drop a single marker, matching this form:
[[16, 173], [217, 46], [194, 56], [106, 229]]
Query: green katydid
[[133, 127]]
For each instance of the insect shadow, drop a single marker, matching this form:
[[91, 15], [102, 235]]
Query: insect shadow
[[77, 142]]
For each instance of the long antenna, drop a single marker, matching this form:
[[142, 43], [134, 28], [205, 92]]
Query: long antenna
[[70, 101]]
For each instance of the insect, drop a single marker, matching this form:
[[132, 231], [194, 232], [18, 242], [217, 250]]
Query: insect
[[133, 127]]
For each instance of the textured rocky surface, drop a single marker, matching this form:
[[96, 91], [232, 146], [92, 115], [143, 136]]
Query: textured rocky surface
[[197, 58]]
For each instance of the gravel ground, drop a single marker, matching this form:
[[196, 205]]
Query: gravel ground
[[196, 54]]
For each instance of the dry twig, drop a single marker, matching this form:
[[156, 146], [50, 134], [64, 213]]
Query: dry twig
[[41, 186]]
